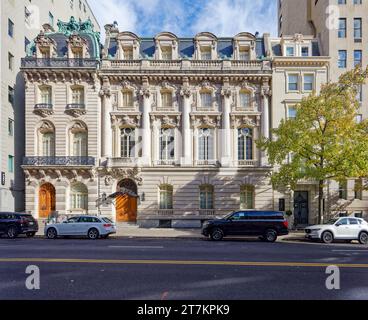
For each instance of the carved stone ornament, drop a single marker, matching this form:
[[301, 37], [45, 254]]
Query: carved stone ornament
[[206, 121], [46, 127], [78, 127], [127, 121], [76, 41], [105, 92], [185, 92], [241, 121], [145, 92], [112, 174], [226, 92], [42, 40]]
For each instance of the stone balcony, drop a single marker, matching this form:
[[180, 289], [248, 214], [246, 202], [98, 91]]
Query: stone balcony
[[59, 161], [76, 109], [187, 65], [121, 162], [61, 63], [44, 109]]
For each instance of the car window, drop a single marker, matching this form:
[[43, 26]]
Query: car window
[[236, 216], [86, 220], [107, 220], [353, 221], [96, 220], [73, 220], [343, 221]]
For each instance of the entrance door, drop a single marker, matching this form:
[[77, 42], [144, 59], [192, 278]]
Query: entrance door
[[301, 208], [47, 203], [127, 204]]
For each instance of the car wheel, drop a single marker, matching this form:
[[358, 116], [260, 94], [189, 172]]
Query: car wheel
[[327, 237], [30, 234], [51, 233], [270, 236], [93, 234], [12, 232], [217, 234], [363, 238]]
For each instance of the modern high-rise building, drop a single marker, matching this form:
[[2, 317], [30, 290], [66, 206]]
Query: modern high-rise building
[[341, 28], [21, 22]]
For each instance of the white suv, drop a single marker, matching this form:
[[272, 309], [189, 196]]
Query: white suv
[[340, 229]]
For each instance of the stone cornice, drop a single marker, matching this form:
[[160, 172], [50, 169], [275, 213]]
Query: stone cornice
[[301, 61]]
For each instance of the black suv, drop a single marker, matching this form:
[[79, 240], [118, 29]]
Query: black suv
[[14, 224], [267, 225]]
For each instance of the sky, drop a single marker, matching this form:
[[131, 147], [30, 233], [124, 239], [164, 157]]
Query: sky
[[186, 18]]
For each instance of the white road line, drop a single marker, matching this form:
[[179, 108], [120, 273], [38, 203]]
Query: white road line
[[136, 247], [350, 251]]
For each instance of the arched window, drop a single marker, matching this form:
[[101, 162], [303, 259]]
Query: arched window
[[245, 144], [166, 197], [246, 197], [245, 99], [128, 99], [167, 144], [205, 144], [79, 197], [166, 99], [206, 197], [127, 143], [206, 99], [45, 95]]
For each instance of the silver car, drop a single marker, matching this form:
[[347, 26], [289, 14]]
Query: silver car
[[90, 226]]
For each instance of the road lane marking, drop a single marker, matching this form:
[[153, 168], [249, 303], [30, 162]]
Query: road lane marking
[[136, 247], [185, 263], [350, 251]]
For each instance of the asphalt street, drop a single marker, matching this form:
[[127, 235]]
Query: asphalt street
[[158, 269]]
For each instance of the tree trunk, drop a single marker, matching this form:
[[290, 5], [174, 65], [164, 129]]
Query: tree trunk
[[320, 201]]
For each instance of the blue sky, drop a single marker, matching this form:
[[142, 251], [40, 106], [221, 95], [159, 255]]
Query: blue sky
[[186, 18]]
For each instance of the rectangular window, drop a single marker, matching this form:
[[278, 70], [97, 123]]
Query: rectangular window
[[342, 59], [11, 164], [247, 198], [359, 118], [128, 99], [357, 2], [206, 53], [293, 80], [206, 198], [46, 95], [342, 28], [206, 100], [358, 190], [357, 57], [11, 127], [166, 99], [10, 28], [343, 190], [341, 1], [292, 112], [244, 100], [357, 28], [305, 52], [127, 143], [206, 144], [308, 82], [11, 94], [77, 96], [290, 52], [10, 61], [245, 144], [359, 95], [167, 144]]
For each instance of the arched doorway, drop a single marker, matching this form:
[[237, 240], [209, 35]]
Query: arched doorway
[[127, 202], [47, 202]]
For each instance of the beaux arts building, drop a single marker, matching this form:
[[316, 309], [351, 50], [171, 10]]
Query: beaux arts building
[[164, 127]]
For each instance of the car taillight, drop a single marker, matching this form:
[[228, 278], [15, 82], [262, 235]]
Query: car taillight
[[107, 225], [286, 224]]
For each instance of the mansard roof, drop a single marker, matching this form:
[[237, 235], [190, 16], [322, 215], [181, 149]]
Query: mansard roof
[[66, 29]]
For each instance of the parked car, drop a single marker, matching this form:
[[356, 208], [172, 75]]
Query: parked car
[[267, 225], [14, 224], [89, 226], [340, 229]]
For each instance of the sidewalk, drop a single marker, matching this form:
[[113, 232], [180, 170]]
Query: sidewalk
[[136, 232]]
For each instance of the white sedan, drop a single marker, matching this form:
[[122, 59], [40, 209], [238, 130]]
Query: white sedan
[[90, 226], [340, 229]]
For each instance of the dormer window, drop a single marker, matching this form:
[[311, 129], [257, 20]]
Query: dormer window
[[290, 51], [244, 54], [128, 53], [166, 53], [205, 53], [77, 47], [305, 51], [127, 99]]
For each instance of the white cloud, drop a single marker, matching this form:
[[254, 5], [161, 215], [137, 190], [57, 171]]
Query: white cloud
[[188, 17]]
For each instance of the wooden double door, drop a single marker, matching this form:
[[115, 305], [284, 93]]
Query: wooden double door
[[127, 203], [47, 201]]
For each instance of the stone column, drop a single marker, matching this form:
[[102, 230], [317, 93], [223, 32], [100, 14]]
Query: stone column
[[266, 93], [187, 159], [226, 128], [106, 132], [146, 127]]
